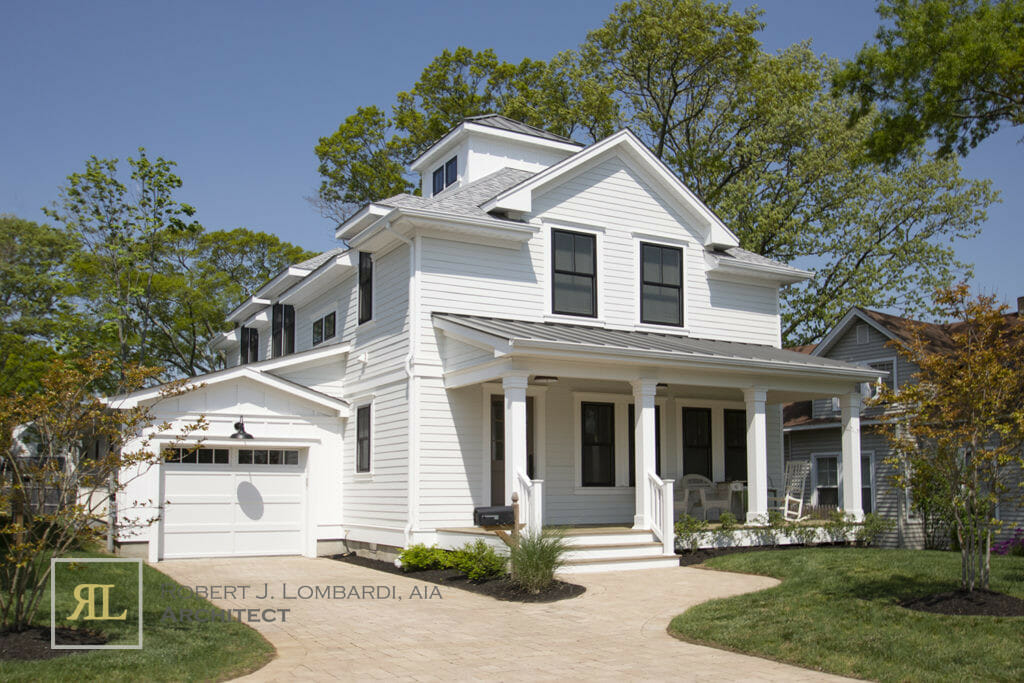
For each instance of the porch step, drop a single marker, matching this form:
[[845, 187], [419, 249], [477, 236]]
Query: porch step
[[607, 536], [618, 564], [612, 550]]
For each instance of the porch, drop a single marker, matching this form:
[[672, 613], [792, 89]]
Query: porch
[[594, 433]]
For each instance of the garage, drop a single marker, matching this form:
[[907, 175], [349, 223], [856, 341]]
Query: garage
[[233, 501]]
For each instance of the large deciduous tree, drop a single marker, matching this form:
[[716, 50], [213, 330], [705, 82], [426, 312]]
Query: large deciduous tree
[[949, 70], [957, 432], [757, 136]]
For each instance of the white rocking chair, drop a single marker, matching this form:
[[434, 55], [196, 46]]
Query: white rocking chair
[[793, 499]]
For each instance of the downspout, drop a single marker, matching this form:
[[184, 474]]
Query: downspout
[[412, 385]]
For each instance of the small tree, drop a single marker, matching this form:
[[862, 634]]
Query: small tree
[[957, 433], [55, 481]]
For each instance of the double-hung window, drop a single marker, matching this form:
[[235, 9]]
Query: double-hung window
[[598, 441], [323, 329], [365, 287], [826, 482], [363, 439], [574, 267], [661, 285]]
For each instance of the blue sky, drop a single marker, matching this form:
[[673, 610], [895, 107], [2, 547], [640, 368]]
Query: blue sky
[[238, 92]]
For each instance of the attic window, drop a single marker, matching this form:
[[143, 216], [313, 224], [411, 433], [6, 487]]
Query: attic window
[[446, 174]]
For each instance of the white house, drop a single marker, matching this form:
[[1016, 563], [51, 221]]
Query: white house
[[540, 314]]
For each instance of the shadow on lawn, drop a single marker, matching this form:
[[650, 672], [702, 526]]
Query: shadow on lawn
[[891, 588]]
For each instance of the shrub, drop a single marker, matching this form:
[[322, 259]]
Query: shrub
[[728, 524], [775, 525], [805, 534], [478, 561], [838, 526], [689, 530], [874, 525], [536, 559], [420, 557], [1012, 546]]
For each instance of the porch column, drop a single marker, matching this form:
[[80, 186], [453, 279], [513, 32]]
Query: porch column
[[757, 455], [515, 433], [851, 501], [644, 434]]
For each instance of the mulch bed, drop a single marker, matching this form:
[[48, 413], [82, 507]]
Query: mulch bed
[[501, 588], [976, 603], [34, 643], [702, 555]]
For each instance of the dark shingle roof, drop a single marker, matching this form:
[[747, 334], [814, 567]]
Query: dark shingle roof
[[465, 200], [319, 259], [744, 256], [505, 123]]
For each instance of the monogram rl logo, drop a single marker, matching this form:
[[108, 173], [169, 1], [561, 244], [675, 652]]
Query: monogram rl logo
[[90, 601]]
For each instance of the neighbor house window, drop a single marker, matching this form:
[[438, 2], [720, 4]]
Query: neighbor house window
[[886, 366], [574, 266], [632, 442], [323, 329], [197, 456], [267, 457], [598, 440], [826, 482], [661, 285], [445, 175], [363, 439], [365, 286]]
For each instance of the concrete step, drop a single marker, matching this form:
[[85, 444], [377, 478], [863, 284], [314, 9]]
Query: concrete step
[[617, 564]]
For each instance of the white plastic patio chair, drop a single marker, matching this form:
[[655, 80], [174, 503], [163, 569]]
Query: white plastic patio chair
[[706, 491]]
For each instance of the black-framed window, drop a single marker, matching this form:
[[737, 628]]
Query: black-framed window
[[324, 328], [282, 330], [597, 430], [574, 268], [197, 456], [697, 441], [365, 287], [661, 285], [363, 439], [735, 445], [249, 345], [632, 442], [267, 457], [438, 179]]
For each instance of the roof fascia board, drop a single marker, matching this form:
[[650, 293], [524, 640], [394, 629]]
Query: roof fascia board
[[468, 335], [242, 311], [362, 218], [520, 197], [428, 157], [345, 263], [759, 271], [281, 282], [483, 227], [840, 329]]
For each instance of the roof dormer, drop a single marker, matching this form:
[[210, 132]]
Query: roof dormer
[[481, 145]]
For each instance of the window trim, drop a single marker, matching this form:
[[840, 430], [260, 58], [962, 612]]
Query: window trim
[[441, 172], [361, 320], [322, 319], [368, 472], [870, 454], [598, 275], [641, 243], [614, 449], [438, 174]]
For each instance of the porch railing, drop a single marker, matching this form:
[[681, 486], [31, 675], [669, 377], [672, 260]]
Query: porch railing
[[531, 503], [661, 511]]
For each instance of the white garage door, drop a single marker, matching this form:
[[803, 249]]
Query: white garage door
[[233, 502]]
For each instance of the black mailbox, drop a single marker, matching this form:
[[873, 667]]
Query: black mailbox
[[494, 515]]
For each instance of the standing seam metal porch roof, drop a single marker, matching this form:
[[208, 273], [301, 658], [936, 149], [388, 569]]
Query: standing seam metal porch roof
[[634, 340]]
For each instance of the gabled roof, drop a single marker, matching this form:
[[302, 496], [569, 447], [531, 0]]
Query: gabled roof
[[464, 200], [526, 336], [519, 199], [891, 326]]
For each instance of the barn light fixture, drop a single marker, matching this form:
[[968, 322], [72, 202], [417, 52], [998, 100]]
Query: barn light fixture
[[240, 432]]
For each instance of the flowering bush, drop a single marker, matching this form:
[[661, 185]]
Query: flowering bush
[[1013, 546]]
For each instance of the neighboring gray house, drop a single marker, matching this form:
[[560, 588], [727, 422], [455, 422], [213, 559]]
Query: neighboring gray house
[[811, 429]]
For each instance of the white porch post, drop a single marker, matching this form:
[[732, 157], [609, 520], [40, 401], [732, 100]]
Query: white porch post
[[757, 455], [851, 501], [643, 398], [515, 433]]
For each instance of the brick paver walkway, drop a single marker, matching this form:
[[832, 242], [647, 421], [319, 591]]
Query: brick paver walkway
[[616, 630]]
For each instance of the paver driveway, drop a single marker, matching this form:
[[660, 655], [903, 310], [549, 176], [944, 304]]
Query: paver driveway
[[616, 630]]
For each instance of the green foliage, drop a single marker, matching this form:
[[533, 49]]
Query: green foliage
[[804, 534], [951, 70], [479, 561], [690, 531], [536, 558], [838, 527], [959, 437], [873, 526], [758, 137], [727, 526], [837, 610], [420, 557]]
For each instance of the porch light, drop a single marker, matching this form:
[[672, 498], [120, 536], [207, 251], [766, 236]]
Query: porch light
[[545, 379], [240, 432]]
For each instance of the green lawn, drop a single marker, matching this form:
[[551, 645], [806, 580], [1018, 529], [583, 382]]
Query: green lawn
[[172, 650], [836, 610]]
